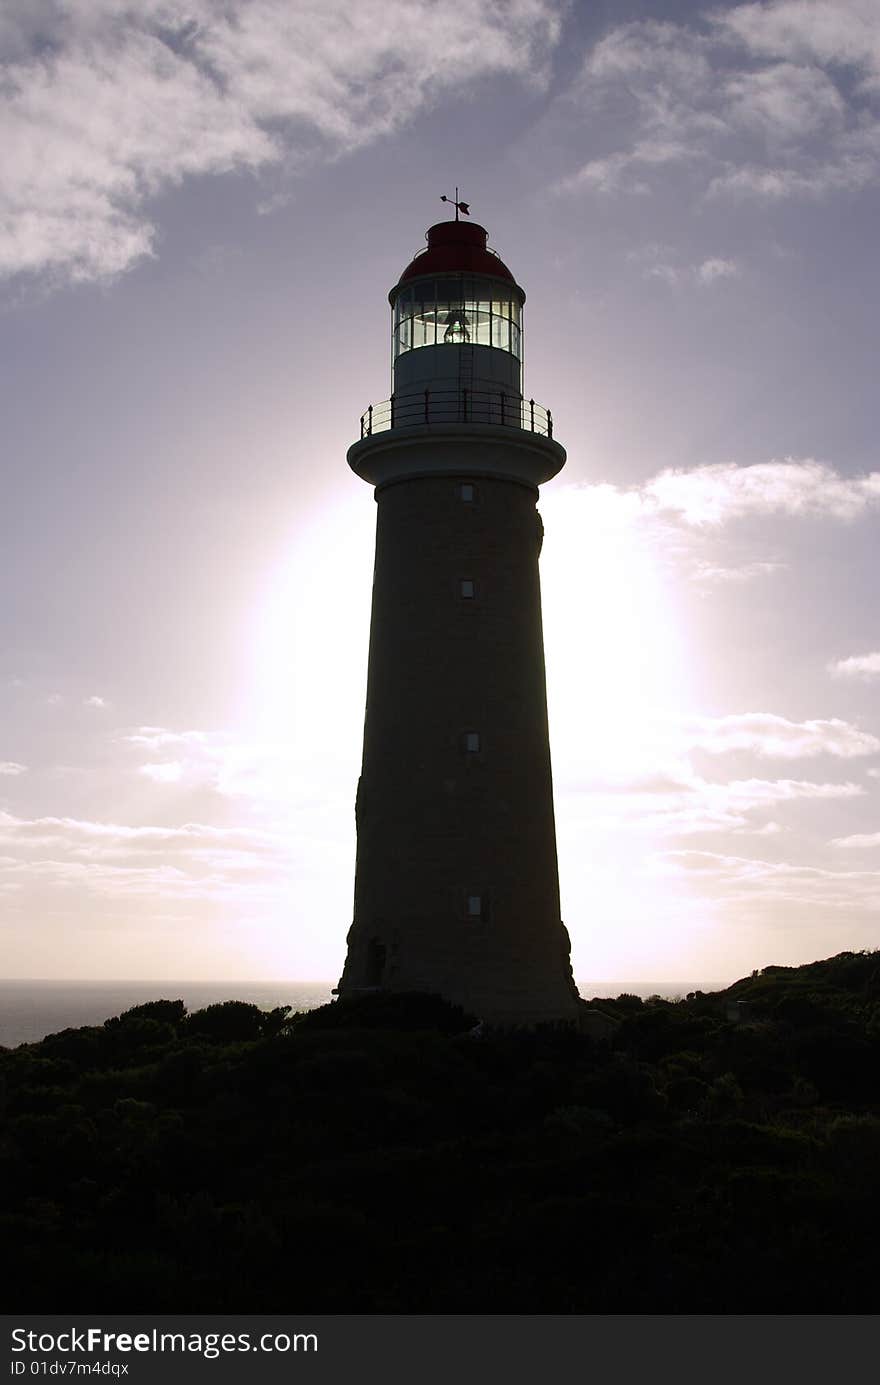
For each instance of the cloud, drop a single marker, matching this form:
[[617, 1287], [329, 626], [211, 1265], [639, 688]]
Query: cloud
[[210, 759], [658, 262], [850, 174], [77, 834], [190, 861], [712, 573], [711, 495], [658, 61], [754, 99], [740, 878], [828, 32], [751, 793], [612, 174], [679, 802], [96, 702], [291, 781], [865, 666], [258, 900], [11, 767], [158, 738], [105, 104], [685, 524], [193, 759], [769, 829], [713, 269], [784, 103], [774, 737], [859, 839], [164, 772]]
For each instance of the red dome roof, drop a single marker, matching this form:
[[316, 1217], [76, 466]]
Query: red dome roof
[[456, 247]]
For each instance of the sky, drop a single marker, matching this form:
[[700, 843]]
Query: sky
[[202, 209]]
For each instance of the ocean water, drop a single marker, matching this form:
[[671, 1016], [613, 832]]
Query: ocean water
[[29, 1010]]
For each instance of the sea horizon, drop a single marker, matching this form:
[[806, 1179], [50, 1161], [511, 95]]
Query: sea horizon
[[33, 1007]]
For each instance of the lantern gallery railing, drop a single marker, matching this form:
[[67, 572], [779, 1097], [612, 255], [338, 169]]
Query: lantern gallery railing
[[426, 407], [423, 248]]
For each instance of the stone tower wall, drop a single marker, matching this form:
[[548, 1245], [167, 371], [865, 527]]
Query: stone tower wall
[[437, 822]]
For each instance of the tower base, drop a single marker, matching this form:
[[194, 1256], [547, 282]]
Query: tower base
[[503, 988]]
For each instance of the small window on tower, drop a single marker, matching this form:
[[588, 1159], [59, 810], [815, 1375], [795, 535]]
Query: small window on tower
[[475, 906], [472, 742], [467, 588], [466, 492]]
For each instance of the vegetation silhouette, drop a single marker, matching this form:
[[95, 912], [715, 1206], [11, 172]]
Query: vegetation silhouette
[[387, 1155]]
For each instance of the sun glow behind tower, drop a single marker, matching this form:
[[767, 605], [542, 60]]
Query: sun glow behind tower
[[620, 675]]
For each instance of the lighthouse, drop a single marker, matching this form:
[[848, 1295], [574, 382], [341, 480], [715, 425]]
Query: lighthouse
[[456, 880]]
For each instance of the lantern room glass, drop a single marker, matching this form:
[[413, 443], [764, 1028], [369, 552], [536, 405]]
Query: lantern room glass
[[455, 311]]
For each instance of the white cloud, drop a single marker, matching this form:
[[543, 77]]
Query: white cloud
[[11, 767], [673, 523], [858, 666], [164, 772], [172, 898], [667, 273], [603, 175], [833, 32], [77, 834], [711, 495], [676, 801], [769, 829], [96, 702], [712, 573], [751, 793], [191, 759], [283, 781], [213, 760], [658, 61], [713, 269], [774, 883], [784, 103], [848, 174], [611, 174], [105, 104], [158, 738], [191, 861], [771, 736], [752, 98], [659, 262], [858, 839]]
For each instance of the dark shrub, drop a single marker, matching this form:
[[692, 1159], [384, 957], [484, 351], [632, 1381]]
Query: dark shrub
[[407, 1011], [229, 1021], [165, 1011]]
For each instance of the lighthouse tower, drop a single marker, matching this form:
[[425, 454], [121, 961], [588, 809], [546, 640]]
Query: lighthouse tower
[[456, 884]]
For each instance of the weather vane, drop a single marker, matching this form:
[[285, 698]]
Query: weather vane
[[459, 206]]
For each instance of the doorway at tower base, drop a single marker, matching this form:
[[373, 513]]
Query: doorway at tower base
[[501, 984]]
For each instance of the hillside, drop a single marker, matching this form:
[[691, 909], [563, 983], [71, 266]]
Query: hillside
[[717, 1154]]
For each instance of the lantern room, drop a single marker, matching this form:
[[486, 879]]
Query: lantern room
[[456, 311], [457, 317]]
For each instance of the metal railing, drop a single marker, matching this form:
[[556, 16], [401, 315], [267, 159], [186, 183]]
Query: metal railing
[[423, 249], [423, 408]]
